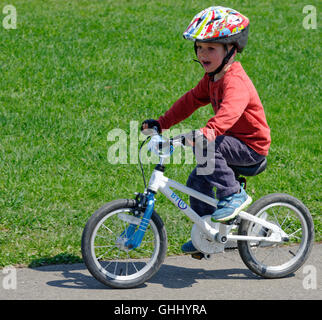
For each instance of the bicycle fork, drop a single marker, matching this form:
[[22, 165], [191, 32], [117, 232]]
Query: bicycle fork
[[135, 237]]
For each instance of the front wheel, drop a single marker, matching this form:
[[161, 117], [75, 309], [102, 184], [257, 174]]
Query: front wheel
[[277, 260], [104, 248]]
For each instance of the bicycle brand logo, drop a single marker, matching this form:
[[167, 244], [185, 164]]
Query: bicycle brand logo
[[181, 204]]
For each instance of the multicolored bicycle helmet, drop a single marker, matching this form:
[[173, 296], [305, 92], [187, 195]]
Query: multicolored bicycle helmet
[[221, 25]]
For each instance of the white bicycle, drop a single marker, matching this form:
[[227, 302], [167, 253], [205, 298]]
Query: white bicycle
[[124, 243]]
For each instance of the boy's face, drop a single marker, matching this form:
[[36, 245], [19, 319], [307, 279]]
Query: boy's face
[[210, 55]]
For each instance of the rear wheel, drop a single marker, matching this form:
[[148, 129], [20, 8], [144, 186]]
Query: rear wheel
[[277, 260], [105, 253]]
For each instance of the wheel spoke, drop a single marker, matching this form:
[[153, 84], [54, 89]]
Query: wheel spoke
[[134, 266], [102, 255], [268, 254], [276, 220], [107, 228], [106, 246], [292, 234], [285, 219]]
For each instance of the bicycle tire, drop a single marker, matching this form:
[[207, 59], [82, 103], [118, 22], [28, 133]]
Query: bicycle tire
[[95, 266], [248, 249]]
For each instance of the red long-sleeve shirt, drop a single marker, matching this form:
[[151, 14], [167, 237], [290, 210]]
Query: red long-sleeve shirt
[[237, 106]]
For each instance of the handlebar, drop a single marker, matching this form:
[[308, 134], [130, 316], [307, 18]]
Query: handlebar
[[163, 147]]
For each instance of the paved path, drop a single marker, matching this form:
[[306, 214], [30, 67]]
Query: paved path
[[180, 277]]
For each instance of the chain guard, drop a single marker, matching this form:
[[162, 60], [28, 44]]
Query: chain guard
[[201, 240]]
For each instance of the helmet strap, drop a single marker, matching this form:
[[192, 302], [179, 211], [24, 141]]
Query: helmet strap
[[195, 60], [224, 62]]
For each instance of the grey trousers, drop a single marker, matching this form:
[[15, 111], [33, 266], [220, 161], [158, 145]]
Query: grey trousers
[[228, 151]]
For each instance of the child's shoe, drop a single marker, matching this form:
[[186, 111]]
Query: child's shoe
[[229, 207], [188, 247]]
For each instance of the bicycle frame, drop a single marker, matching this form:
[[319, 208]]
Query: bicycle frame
[[158, 182]]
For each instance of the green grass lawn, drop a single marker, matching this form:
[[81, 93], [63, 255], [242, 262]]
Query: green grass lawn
[[74, 70]]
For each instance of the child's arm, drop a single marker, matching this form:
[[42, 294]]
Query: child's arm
[[186, 105]]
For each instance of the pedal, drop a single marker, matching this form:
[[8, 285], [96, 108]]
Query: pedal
[[198, 255]]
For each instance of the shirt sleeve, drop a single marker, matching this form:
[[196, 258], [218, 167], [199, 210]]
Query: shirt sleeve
[[234, 102], [187, 104]]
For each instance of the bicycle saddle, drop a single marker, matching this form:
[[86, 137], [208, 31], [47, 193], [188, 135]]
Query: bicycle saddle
[[250, 170]]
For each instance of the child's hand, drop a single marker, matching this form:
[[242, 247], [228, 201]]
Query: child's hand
[[195, 138], [150, 124]]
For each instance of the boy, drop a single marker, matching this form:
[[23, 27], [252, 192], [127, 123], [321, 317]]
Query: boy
[[239, 129]]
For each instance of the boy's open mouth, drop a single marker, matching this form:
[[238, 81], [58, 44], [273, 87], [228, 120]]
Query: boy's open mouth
[[206, 63]]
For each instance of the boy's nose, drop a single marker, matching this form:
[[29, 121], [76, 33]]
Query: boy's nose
[[202, 52]]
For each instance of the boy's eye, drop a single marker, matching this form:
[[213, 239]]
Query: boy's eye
[[207, 48]]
